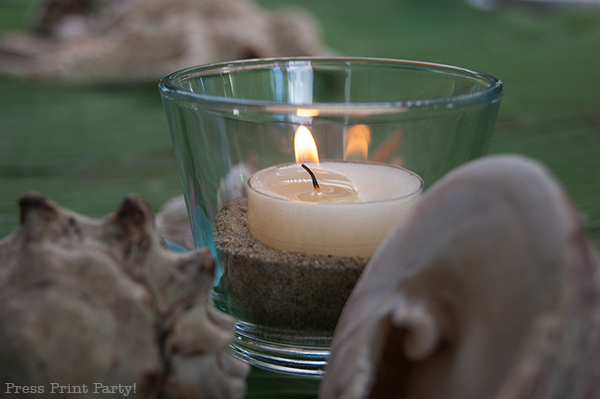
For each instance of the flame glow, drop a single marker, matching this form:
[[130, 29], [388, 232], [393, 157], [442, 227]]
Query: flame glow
[[305, 146], [358, 138], [307, 112]]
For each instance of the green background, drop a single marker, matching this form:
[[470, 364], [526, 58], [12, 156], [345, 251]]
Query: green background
[[87, 146]]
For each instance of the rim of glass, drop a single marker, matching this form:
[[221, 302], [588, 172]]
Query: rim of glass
[[168, 87]]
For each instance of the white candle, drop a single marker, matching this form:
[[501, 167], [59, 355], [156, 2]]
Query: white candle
[[357, 205]]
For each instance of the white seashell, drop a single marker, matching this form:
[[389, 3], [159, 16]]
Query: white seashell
[[234, 185], [173, 223], [488, 288], [172, 220], [86, 302]]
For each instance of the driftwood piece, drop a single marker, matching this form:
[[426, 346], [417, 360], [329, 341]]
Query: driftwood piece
[[86, 302], [130, 41], [488, 288]]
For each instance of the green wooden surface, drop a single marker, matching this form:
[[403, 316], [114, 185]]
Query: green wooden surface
[[87, 147]]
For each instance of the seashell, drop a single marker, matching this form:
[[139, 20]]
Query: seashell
[[143, 40], [103, 303], [487, 288], [172, 220], [173, 223], [234, 185]]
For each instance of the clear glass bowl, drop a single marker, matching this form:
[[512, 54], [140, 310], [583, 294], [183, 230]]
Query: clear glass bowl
[[231, 119]]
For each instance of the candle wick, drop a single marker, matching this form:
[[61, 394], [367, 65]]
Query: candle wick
[[312, 175]]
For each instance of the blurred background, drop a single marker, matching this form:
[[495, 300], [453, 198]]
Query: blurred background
[[87, 145]]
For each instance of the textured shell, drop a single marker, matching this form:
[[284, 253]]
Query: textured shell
[[143, 40], [488, 288], [86, 301]]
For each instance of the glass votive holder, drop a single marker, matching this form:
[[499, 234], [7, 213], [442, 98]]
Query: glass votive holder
[[383, 129]]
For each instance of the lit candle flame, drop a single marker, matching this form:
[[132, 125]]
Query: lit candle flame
[[305, 146], [358, 139]]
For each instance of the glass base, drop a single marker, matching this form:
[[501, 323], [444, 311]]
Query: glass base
[[281, 351]]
